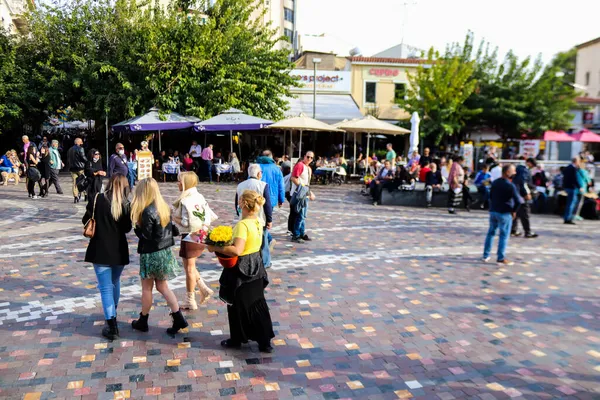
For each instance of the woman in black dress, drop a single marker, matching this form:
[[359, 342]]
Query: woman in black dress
[[243, 285], [44, 167], [95, 174], [33, 173]]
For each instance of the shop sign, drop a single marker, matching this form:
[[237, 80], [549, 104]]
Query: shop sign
[[383, 72], [327, 81], [529, 148], [588, 117]]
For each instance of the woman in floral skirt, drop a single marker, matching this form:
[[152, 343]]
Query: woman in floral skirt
[[151, 217]]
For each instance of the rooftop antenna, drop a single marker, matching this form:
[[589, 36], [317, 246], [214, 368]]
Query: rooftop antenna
[[405, 3]]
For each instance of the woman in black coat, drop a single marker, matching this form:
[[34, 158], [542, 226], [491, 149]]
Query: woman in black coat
[[95, 174], [44, 167], [108, 250]]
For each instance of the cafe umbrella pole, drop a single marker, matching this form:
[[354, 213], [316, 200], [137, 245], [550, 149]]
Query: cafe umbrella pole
[[354, 153], [159, 142]]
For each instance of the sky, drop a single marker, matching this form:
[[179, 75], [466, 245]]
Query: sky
[[528, 27]]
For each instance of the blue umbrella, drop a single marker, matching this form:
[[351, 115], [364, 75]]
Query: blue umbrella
[[230, 120]]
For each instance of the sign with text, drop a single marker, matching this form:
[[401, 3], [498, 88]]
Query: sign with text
[[529, 148], [327, 81], [384, 72], [144, 160]]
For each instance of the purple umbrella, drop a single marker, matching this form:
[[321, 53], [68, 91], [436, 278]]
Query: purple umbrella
[[230, 120]]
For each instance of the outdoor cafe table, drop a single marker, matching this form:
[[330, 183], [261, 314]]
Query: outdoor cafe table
[[327, 173], [224, 168], [170, 168]]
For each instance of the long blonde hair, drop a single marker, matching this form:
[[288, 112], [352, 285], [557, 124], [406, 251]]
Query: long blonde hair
[[116, 193], [147, 193], [251, 201], [188, 180]]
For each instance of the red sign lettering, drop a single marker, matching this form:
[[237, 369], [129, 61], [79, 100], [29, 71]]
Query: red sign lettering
[[383, 72]]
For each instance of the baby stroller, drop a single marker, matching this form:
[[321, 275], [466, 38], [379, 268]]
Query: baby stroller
[[339, 175]]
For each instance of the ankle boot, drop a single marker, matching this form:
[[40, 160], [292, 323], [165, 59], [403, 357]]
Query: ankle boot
[[141, 324], [179, 322], [205, 291], [190, 302], [111, 330]]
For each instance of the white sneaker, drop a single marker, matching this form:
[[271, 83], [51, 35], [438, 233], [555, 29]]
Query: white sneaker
[[485, 259]]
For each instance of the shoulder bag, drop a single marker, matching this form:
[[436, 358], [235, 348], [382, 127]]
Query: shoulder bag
[[90, 227]]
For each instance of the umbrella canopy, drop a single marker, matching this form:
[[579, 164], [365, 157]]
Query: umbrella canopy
[[371, 124], [232, 119], [304, 123], [151, 121], [414, 131], [586, 136], [552, 136]]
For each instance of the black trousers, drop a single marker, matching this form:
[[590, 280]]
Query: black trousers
[[196, 165], [523, 215]]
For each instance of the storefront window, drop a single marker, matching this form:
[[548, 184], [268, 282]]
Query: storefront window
[[399, 91], [289, 34], [370, 92]]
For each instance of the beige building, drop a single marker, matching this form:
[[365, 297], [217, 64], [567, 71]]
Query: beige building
[[12, 15], [587, 79], [377, 82], [281, 14]]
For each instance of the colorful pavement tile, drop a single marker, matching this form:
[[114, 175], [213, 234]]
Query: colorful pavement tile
[[384, 303]]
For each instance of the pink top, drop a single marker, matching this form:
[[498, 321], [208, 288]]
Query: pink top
[[207, 154]]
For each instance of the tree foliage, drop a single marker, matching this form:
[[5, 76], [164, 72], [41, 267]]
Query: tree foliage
[[438, 92], [470, 88], [122, 57]]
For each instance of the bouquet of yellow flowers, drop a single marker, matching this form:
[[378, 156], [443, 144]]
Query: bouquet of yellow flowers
[[220, 236]]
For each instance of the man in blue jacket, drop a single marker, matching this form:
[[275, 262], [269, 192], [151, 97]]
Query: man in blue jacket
[[572, 186], [272, 175]]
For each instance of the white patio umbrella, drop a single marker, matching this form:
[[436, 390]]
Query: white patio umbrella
[[370, 125], [303, 123], [414, 132]]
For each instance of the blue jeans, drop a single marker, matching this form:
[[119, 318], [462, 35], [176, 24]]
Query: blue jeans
[[572, 197], [6, 169], [484, 194], [503, 222], [540, 203], [109, 285], [264, 249], [299, 225]]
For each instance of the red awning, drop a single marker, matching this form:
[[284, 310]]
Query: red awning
[[587, 136], [561, 136]]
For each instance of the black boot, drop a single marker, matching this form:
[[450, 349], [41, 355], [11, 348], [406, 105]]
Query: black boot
[[111, 330], [179, 322], [141, 324]]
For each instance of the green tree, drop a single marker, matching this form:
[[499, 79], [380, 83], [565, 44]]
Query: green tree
[[565, 61], [11, 81], [438, 91]]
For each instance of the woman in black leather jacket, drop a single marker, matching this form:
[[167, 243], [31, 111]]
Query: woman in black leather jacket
[[95, 174], [151, 217]]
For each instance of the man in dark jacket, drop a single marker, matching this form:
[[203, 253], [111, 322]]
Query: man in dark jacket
[[504, 203], [77, 161], [523, 183], [573, 188]]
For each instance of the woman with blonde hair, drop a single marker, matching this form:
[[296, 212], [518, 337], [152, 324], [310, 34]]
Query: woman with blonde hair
[[242, 287], [108, 250], [151, 218], [193, 214]]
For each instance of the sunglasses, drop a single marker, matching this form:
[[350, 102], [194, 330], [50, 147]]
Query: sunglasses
[[309, 157]]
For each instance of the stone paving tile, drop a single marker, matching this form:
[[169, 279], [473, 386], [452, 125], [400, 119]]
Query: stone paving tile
[[384, 303]]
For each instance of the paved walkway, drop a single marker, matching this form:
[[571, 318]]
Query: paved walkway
[[384, 303]]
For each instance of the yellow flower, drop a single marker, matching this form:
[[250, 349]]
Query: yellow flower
[[221, 234]]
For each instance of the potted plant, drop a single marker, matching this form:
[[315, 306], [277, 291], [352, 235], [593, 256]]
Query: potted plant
[[222, 236]]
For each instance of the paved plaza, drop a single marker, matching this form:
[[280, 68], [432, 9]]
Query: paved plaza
[[384, 303]]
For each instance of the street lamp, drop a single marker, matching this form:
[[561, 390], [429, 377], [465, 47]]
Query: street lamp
[[315, 62]]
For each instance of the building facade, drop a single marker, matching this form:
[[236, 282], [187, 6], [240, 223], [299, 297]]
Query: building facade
[[379, 82], [12, 15], [281, 14], [587, 80]]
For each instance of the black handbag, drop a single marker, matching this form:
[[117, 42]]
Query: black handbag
[[33, 174], [82, 182]]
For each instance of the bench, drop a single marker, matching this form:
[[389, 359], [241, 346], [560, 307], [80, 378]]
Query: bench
[[417, 197]]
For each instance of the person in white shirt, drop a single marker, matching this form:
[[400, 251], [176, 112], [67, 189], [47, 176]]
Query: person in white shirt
[[195, 153], [495, 169]]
